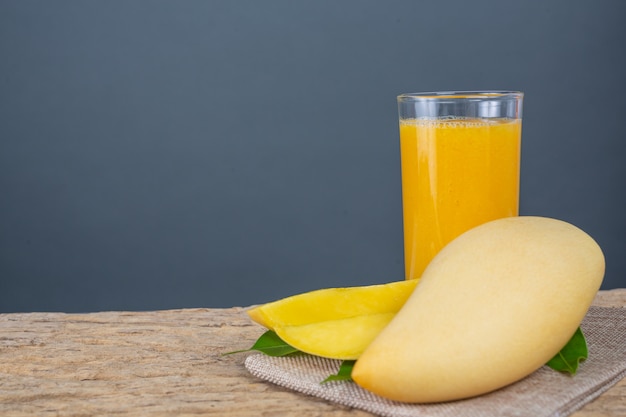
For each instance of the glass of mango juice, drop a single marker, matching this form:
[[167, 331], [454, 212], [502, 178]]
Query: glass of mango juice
[[460, 157]]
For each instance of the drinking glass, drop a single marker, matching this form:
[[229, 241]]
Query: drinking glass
[[460, 155]]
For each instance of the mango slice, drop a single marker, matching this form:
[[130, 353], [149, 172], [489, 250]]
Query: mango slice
[[337, 339], [334, 322], [333, 304]]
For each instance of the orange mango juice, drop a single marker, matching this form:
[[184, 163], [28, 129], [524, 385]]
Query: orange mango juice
[[456, 174]]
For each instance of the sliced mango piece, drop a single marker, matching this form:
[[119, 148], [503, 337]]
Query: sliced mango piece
[[333, 304], [338, 339], [336, 323]]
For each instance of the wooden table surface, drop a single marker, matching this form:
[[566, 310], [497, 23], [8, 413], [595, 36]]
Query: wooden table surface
[[163, 363]]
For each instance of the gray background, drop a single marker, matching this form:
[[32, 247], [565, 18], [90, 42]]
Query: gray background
[[160, 154]]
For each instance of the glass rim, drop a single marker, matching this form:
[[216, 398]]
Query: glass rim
[[461, 95]]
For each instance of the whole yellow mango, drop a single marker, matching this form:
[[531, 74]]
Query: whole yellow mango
[[492, 307]]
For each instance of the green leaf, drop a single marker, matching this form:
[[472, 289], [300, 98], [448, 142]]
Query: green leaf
[[270, 344], [344, 373], [571, 355]]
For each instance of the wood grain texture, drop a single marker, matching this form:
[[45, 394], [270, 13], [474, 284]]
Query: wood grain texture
[[163, 363]]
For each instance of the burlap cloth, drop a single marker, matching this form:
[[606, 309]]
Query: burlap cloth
[[544, 393]]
